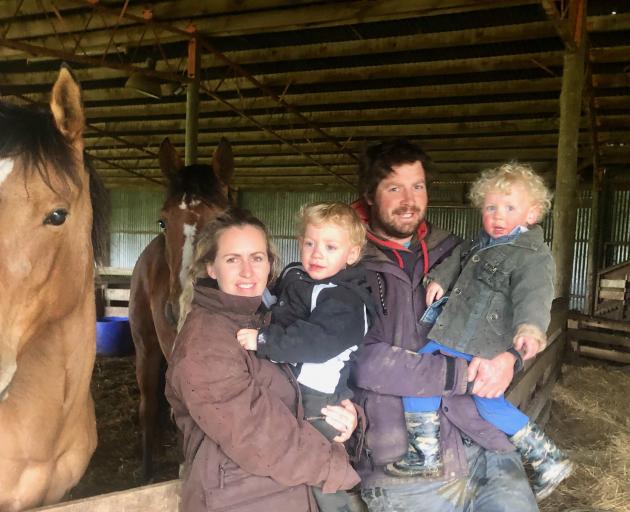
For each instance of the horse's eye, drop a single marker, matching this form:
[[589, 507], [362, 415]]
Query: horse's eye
[[56, 217], [162, 224]]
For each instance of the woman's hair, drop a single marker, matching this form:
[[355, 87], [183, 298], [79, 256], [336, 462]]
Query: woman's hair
[[336, 213], [503, 177], [207, 247]]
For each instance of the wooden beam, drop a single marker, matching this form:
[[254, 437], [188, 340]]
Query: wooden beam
[[609, 23], [192, 103], [565, 207]]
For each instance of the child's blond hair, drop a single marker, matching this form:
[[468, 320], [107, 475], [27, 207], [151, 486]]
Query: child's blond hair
[[336, 213], [503, 177]]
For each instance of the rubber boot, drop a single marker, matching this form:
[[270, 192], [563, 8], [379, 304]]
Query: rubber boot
[[549, 463], [423, 452]]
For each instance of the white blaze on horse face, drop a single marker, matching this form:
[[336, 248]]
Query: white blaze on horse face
[[184, 204], [6, 166], [190, 230]]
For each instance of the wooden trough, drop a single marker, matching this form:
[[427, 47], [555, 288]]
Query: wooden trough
[[530, 392]]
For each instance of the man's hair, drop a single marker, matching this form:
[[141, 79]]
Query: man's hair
[[378, 161], [336, 213], [503, 177]]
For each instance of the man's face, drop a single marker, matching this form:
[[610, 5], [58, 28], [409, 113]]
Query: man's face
[[400, 203]]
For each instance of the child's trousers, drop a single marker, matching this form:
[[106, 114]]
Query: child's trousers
[[497, 411]]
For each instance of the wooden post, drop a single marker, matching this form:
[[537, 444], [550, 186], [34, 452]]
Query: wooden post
[[192, 103], [565, 206]]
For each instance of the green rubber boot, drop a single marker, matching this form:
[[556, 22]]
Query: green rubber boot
[[423, 452], [549, 463]]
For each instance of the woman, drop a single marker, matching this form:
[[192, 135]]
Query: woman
[[246, 446]]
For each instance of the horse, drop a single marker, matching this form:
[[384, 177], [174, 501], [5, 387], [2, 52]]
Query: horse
[[196, 194], [51, 212]]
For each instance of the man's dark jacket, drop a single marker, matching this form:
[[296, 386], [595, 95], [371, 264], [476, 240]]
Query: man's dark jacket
[[387, 366]]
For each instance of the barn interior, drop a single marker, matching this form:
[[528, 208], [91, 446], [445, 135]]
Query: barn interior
[[301, 87]]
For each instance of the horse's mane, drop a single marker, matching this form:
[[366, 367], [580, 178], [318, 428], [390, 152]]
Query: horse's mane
[[30, 134], [197, 180]]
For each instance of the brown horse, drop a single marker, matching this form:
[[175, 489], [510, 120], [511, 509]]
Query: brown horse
[[47, 317], [196, 194]]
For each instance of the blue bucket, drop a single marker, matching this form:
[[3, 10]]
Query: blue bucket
[[113, 336]]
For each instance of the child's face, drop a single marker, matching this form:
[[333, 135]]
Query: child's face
[[326, 249], [503, 212]]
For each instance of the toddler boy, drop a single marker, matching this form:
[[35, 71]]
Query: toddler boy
[[501, 289], [321, 315]]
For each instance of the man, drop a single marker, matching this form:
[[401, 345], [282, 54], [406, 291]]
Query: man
[[481, 470]]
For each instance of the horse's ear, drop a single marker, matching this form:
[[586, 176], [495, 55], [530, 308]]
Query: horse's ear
[[170, 161], [223, 162], [66, 105]]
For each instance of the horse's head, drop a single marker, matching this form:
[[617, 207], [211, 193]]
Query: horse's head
[[46, 219], [196, 195]]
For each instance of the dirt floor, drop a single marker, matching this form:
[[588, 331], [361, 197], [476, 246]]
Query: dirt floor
[[116, 464], [590, 418]]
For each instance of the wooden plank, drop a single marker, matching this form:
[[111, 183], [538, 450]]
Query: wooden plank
[[615, 325], [602, 353], [599, 337], [114, 271], [611, 294], [116, 311], [613, 283], [524, 384], [162, 497], [120, 294], [541, 398]]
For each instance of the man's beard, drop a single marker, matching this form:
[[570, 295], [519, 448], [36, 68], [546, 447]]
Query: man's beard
[[391, 230]]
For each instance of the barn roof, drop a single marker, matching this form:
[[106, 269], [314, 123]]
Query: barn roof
[[299, 86]]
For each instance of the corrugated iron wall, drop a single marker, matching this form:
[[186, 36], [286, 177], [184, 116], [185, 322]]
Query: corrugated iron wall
[[278, 209], [134, 223], [617, 240], [135, 214]]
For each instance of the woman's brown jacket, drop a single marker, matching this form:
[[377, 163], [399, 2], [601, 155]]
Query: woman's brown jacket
[[245, 448]]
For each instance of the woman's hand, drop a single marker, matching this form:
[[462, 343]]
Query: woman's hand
[[342, 417], [248, 338]]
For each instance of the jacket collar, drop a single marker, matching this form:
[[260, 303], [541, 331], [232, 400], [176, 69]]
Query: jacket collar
[[213, 299], [532, 239]]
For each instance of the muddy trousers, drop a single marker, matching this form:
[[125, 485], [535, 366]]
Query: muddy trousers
[[496, 483]]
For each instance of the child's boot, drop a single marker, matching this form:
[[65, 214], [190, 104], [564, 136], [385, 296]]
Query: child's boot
[[423, 453], [549, 463]]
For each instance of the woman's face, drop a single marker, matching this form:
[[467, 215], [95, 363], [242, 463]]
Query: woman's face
[[242, 265]]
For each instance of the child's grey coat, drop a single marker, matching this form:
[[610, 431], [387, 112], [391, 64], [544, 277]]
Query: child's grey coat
[[497, 293]]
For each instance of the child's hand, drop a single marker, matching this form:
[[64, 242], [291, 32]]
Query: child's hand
[[528, 346], [248, 338], [434, 292]]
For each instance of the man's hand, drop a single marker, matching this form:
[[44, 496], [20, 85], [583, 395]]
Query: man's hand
[[248, 338], [491, 376], [528, 346], [434, 292]]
